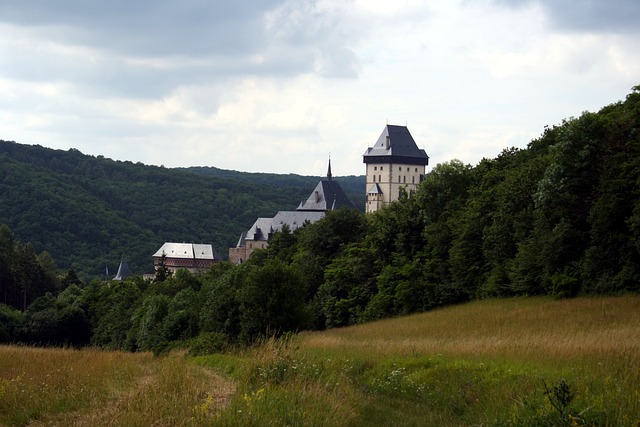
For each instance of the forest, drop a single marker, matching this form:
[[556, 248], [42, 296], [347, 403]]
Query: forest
[[560, 217], [90, 212]]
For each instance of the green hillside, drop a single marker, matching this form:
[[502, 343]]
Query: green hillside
[[88, 212], [352, 185]]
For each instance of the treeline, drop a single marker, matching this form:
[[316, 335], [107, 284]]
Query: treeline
[[89, 212], [561, 218]]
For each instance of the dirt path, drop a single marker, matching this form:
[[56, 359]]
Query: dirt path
[[216, 396]]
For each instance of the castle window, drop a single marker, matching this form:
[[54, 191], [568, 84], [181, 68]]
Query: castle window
[[379, 178], [416, 169], [375, 168], [400, 168], [413, 179], [380, 167], [407, 169], [374, 178], [404, 179]]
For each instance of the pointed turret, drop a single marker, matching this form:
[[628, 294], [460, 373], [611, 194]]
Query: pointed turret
[[123, 271]]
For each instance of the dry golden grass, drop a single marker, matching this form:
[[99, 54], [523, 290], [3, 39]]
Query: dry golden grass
[[528, 329], [94, 388], [488, 362]]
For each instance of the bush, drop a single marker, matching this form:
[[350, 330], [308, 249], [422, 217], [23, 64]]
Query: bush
[[207, 343]]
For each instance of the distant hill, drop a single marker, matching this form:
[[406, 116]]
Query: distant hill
[[353, 185], [88, 212]]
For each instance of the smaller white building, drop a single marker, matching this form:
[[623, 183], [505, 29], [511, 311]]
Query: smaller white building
[[189, 256]]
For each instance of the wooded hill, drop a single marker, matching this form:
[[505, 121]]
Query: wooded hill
[[88, 212], [560, 217]]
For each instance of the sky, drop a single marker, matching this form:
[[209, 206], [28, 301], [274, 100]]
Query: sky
[[278, 86]]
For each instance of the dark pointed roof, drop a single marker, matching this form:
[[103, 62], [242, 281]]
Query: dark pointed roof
[[327, 196], [123, 271], [396, 145]]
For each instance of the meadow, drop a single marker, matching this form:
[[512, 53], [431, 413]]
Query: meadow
[[506, 362]]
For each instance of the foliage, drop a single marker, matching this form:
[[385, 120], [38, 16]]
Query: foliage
[[90, 212], [559, 218]]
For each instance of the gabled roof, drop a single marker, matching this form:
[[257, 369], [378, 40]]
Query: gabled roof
[[264, 227], [186, 250], [396, 145], [328, 195], [375, 189]]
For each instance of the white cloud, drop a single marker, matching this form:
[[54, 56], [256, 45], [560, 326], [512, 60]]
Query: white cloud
[[275, 86]]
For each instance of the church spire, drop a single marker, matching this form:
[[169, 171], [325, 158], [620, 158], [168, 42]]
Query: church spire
[[329, 170]]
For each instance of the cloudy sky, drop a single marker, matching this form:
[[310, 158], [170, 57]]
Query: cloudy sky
[[277, 85]]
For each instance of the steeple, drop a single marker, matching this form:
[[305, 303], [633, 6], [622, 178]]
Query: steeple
[[329, 170]]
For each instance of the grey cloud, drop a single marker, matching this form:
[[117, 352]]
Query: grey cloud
[[194, 41], [148, 27], [612, 16]]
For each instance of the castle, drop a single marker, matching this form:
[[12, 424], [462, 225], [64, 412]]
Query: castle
[[394, 162], [328, 195]]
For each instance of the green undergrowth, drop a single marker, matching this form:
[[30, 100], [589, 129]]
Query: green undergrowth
[[282, 383]]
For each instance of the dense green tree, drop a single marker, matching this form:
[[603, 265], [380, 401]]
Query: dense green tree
[[60, 320], [10, 323], [272, 301], [111, 307], [348, 287], [7, 284], [220, 312], [147, 332]]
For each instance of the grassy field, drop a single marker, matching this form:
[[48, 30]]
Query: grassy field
[[527, 361], [64, 387], [519, 362]]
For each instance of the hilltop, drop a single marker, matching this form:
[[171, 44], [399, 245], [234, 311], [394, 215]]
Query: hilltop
[[88, 212]]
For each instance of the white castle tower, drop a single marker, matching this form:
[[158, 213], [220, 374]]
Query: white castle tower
[[394, 161]]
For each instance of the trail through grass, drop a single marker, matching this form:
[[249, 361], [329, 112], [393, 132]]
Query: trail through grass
[[97, 388], [528, 361], [519, 362]]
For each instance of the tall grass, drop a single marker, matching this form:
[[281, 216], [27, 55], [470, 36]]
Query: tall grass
[[537, 330], [519, 362], [529, 361], [95, 388]]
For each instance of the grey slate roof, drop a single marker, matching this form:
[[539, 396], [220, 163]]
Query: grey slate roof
[[328, 195], [263, 228], [375, 189], [186, 250], [396, 145]]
